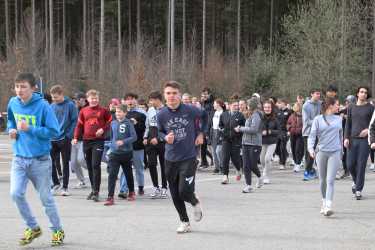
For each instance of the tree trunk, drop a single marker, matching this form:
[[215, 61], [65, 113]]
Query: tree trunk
[[204, 40], [51, 41], [92, 39], [84, 42], [172, 37], [238, 40], [46, 52], [16, 21], [130, 24], [342, 56], [183, 34], [271, 29], [64, 35], [119, 44], [101, 52], [169, 38], [7, 39], [33, 43], [138, 28]]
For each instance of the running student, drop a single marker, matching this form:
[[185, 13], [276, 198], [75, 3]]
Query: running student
[[93, 122], [32, 124], [66, 114], [121, 153], [327, 133], [182, 128]]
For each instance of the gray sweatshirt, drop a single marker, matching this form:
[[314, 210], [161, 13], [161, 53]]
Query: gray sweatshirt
[[328, 132], [252, 131], [309, 110]]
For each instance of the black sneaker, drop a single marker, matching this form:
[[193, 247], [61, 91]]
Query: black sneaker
[[123, 195], [95, 197], [89, 197], [216, 171], [140, 191], [345, 174]]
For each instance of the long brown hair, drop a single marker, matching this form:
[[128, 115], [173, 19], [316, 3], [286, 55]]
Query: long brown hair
[[272, 115], [328, 101]]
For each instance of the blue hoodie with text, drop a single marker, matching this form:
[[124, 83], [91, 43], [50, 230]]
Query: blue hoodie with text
[[67, 115], [43, 126]]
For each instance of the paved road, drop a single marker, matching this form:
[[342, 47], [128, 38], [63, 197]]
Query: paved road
[[282, 215]]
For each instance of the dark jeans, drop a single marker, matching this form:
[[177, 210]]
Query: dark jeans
[[93, 151], [115, 161], [358, 152], [250, 156], [232, 152], [297, 145], [372, 154], [63, 147], [153, 152], [282, 151], [181, 180], [205, 153], [309, 162]]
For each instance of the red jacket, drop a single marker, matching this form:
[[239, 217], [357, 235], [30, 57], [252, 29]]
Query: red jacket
[[294, 124], [91, 119]]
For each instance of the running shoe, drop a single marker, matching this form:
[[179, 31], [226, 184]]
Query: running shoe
[[64, 192], [131, 196], [156, 193], [327, 211], [259, 183], [198, 213], [58, 237], [282, 167], [247, 189], [358, 195], [109, 202], [89, 197], [164, 193], [122, 195], [95, 197], [29, 235], [266, 180], [183, 228], [225, 180], [238, 175]]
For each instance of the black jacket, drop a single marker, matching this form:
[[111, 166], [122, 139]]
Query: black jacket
[[282, 117], [270, 123], [230, 121], [140, 127], [208, 107]]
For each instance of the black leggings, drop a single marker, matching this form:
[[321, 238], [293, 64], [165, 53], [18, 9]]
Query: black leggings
[[93, 151], [115, 161], [205, 152], [250, 155], [296, 143], [231, 151], [64, 148], [181, 180], [153, 151]]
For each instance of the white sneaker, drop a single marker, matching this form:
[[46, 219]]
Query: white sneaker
[[259, 183], [55, 188], [64, 192], [372, 166], [266, 180], [247, 189], [225, 180], [327, 211], [184, 228], [282, 167], [155, 194], [198, 213], [297, 168], [80, 185], [164, 193]]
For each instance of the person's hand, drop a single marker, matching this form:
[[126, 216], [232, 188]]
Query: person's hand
[[372, 145], [199, 139], [13, 134], [99, 132], [363, 133], [134, 121], [237, 129], [264, 132], [145, 142], [22, 125], [312, 154], [169, 138], [154, 141], [74, 141], [119, 143], [346, 143]]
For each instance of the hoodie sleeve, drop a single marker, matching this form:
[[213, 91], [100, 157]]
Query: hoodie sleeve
[[306, 116], [133, 135], [372, 129], [72, 121], [161, 129], [254, 125], [107, 120], [78, 131], [49, 127], [348, 124], [203, 117], [11, 124], [312, 136]]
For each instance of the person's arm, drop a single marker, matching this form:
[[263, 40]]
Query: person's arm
[[306, 116], [276, 129], [78, 131], [107, 120], [312, 136], [73, 116], [49, 127], [348, 124], [289, 123], [161, 129], [372, 129], [147, 124], [133, 135], [11, 123], [254, 126]]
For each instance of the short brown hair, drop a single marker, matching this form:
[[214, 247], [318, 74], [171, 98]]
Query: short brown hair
[[172, 84], [57, 89], [122, 107], [92, 92]]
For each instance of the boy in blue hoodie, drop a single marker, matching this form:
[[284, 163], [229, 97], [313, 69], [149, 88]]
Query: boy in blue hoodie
[[120, 152], [67, 115], [32, 124]]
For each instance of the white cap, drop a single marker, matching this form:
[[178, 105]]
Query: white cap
[[256, 95]]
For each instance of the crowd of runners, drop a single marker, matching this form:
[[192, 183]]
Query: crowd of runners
[[173, 134]]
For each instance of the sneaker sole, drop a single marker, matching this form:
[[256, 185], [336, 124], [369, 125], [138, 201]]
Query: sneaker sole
[[329, 213], [24, 243]]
